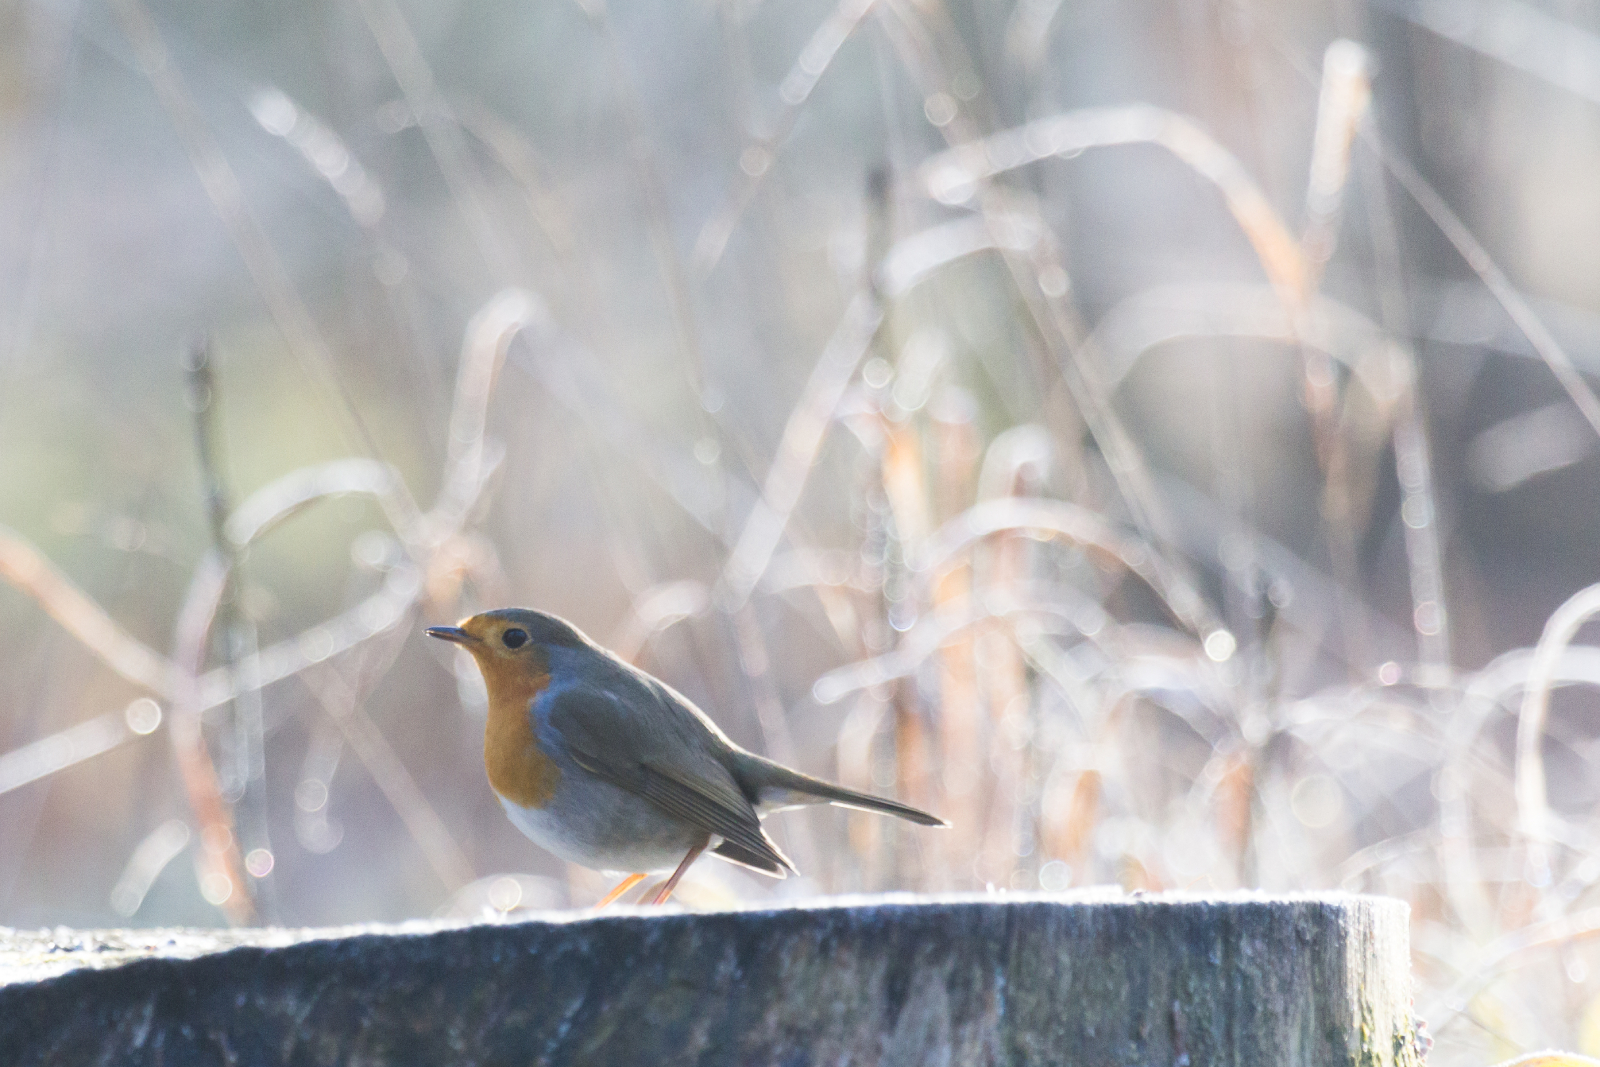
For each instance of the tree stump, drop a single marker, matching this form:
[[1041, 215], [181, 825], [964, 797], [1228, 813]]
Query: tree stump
[[1173, 980]]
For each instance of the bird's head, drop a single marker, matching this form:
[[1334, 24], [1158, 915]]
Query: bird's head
[[512, 641]]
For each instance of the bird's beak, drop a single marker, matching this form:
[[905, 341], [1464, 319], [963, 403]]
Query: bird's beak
[[452, 633]]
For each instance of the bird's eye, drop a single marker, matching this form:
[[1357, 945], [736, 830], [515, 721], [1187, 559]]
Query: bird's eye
[[514, 638]]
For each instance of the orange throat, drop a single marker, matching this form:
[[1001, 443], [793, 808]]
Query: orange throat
[[518, 770]]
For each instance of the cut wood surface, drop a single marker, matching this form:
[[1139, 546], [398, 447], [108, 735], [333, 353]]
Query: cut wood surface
[[961, 980]]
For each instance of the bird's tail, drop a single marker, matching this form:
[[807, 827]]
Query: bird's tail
[[776, 787]]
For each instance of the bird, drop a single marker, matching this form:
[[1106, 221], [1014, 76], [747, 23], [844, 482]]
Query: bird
[[608, 767]]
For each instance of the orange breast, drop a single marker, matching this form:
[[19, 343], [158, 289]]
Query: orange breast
[[518, 769]]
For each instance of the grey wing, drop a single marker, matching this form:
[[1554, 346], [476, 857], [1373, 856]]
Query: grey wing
[[658, 763]]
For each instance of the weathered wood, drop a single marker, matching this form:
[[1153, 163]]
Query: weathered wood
[[1010, 979]]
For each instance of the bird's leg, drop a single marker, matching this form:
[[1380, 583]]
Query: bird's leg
[[672, 883], [622, 887]]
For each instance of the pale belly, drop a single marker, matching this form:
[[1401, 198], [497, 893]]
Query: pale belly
[[594, 824]]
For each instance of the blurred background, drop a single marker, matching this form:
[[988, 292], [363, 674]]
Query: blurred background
[[1157, 436]]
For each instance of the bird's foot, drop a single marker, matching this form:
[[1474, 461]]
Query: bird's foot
[[622, 887]]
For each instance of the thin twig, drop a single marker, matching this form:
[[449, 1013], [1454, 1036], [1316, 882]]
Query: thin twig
[[954, 177], [30, 571], [1494, 279], [1533, 806], [1075, 524], [244, 776], [220, 862]]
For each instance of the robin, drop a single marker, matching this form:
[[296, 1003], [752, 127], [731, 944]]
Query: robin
[[612, 769]]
